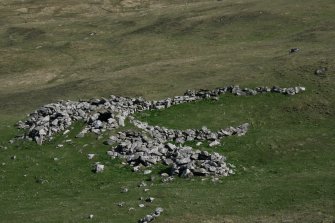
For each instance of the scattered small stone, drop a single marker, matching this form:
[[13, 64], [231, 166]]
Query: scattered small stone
[[294, 50], [60, 146], [40, 180], [98, 168], [90, 156], [80, 135], [214, 143], [152, 216], [146, 172], [3, 147], [124, 190], [150, 199], [198, 144], [131, 209], [136, 168], [146, 190], [56, 159], [121, 204], [167, 179], [66, 132], [321, 71], [90, 216], [141, 205], [13, 157], [159, 210], [39, 140], [146, 219], [142, 184]]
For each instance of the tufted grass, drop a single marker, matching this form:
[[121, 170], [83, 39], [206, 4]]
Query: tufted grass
[[157, 49]]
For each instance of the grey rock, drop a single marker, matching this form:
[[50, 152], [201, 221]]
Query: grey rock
[[294, 50], [98, 168], [146, 172], [321, 71], [170, 146], [214, 143], [186, 173], [90, 156], [150, 199], [124, 190]]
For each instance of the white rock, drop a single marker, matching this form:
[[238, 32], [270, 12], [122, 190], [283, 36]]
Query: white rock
[[90, 156], [136, 168], [150, 199], [121, 120], [142, 184], [214, 143], [99, 168], [146, 172], [124, 190]]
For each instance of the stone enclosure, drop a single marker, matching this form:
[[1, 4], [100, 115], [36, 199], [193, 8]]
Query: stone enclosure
[[151, 144]]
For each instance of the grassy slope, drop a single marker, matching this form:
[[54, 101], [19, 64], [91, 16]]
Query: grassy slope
[[158, 50]]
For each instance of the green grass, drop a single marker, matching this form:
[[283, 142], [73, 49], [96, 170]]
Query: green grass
[[156, 49]]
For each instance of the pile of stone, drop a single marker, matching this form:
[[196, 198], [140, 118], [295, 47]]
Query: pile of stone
[[139, 151], [103, 114], [99, 114], [163, 134], [236, 90], [152, 216]]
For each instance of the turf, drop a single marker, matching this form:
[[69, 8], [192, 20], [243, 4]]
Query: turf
[[73, 49]]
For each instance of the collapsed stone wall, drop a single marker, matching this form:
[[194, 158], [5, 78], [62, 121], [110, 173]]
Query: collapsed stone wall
[[152, 146], [109, 113]]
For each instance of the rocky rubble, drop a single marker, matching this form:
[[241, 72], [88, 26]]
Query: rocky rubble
[[109, 113], [152, 216], [139, 151], [163, 134]]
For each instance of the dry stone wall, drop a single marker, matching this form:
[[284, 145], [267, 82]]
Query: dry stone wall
[[109, 113], [153, 144]]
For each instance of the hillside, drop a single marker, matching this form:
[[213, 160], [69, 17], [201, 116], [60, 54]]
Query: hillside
[[72, 50]]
